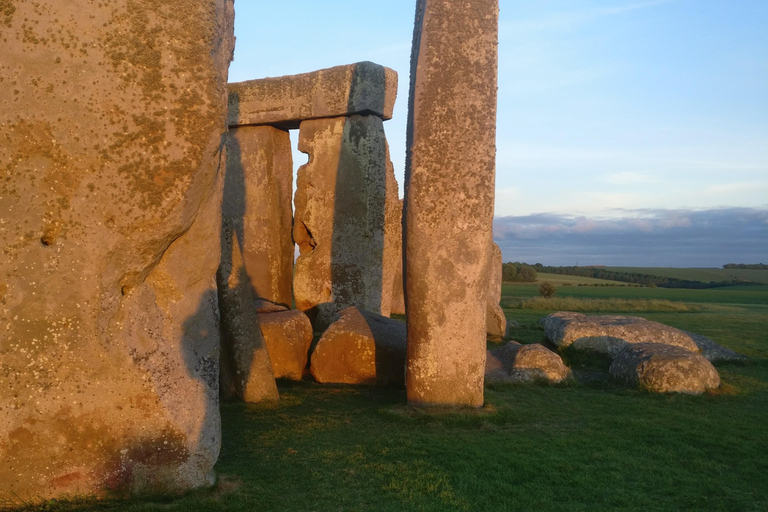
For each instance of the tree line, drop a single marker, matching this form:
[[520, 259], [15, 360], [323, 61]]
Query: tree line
[[518, 272], [746, 266]]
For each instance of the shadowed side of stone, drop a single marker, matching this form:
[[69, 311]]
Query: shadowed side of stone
[[449, 199], [664, 368], [361, 348], [110, 215], [364, 88]]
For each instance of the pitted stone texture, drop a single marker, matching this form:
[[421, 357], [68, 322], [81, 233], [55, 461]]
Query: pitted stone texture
[[257, 202], [364, 88], [495, 321], [288, 335], [609, 334], [449, 196], [109, 221], [664, 368], [514, 362], [398, 294], [246, 369], [342, 199], [361, 348]]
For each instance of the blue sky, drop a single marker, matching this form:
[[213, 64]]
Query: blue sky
[[618, 110]]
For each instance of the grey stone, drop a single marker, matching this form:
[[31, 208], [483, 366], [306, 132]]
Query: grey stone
[[364, 88], [449, 197], [661, 368], [514, 362], [343, 196], [109, 243]]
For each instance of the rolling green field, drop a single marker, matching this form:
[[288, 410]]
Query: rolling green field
[[705, 275], [584, 446], [560, 280]]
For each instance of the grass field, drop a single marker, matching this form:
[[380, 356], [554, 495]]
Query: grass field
[[585, 446], [700, 274], [560, 280]]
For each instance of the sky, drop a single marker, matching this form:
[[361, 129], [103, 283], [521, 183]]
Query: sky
[[629, 132]]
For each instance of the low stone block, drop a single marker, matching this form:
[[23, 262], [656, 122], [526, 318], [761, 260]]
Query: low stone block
[[524, 363], [609, 334], [664, 368], [363, 88], [288, 335], [361, 348]]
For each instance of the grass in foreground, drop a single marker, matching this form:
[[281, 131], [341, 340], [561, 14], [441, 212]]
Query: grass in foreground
[[579, 447]]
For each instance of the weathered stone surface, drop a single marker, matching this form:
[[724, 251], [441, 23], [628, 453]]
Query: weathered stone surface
[[609, 334], [257, 203], [109, 232], [514, 362], [264, 306], [288, 335], [361, 348], [343, 195], [364, 88], [449, 195], [495, 321], [246, 369], [664, 368], [397, 305]]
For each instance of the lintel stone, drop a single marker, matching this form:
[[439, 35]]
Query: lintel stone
[[363, 88]]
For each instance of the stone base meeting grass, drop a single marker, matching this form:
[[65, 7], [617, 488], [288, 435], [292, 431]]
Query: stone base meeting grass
[[587, 445]]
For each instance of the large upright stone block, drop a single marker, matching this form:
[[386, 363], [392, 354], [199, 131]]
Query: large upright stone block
[[449, 189], [257, 203], [495, 321], [343, 196], [111, 126], [364, 88]]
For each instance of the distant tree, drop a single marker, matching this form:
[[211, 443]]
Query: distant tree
[[508, 272], [547, 290]]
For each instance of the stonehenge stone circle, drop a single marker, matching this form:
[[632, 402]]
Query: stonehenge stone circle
[[109, 232], [495, 321], [257, 201], [343, 196], [364, 88], [449, 196]]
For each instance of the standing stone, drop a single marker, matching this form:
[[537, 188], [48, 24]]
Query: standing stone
[[257, 202], [341, 208], [495, 321], [111, 126], [398, 294], [449, 193], [246, 369]]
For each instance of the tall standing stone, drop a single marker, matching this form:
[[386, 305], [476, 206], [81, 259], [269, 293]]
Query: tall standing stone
[[495, 321], [341, 207], [398, 293], [109, 230], [449, 193], [257, 203]]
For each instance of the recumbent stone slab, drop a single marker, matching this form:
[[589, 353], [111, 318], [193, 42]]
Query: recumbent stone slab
[[449, 196], [109, 236], [288, 335], [515, 362], [364, 88]]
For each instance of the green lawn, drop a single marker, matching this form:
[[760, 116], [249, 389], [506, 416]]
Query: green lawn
[[582, 446], [700, 274]]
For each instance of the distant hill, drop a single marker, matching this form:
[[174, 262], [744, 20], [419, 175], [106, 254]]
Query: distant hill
[[705, 275]]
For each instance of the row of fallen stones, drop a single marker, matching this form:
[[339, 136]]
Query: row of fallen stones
[[360, 347], [647, 354]]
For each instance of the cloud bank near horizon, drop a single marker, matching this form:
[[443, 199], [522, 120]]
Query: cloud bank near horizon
[[646, 237]]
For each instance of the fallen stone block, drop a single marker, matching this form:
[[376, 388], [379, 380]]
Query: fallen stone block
[[361, 348], [364, 88], [514, 362], [661, 368], [288, 335]]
